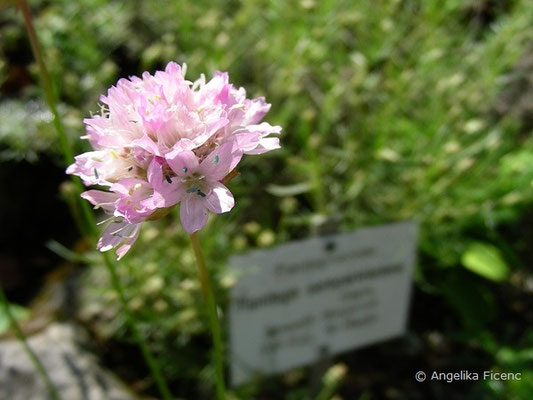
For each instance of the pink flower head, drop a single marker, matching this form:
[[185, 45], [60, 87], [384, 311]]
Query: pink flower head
[[162, 140]]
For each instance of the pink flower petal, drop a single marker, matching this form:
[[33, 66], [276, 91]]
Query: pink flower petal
[[251, 137], [98, 198], [148, 144], [90, 168], [135, 203], [220, 200], [122, 250], [167, 190], [193, 214], [119, 233], [124, 186], [183, 144], [247, 141], [265, 144], [108, 241], [182, 162], [256, 110], [221, 161]]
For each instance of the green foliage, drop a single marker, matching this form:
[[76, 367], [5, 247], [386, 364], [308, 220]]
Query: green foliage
[[389, 111], [485, 260], [29, 132], [516, 359], [331, 380], [474, 303], [164, 295], [18, 312]]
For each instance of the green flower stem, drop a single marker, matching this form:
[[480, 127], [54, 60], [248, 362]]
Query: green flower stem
[[209, 297], [51, 100], [88, 215], [46, 82], [54, 394]]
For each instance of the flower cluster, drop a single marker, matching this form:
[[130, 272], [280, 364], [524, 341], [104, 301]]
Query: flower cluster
[[162, 140]]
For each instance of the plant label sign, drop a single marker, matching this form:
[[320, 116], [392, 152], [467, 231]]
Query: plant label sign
[[294, 303]]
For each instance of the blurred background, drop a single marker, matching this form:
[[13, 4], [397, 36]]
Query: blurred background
[[391, 110]]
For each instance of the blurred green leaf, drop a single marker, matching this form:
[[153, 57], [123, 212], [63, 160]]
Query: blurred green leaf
[[514, 358], [64, 252], [485, 260], [473, 302], [19, 313], [289, 190], [521, 388]]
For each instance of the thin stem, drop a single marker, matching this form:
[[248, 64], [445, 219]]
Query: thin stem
[[46, 82], [132, 322], [88, 215], [51, 100], [54, 394], [209, 297]]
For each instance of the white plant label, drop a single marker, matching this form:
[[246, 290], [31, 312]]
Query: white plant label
[[293, 303]]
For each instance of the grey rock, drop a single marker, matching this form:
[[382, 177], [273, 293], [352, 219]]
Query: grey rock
[[73, 370]]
